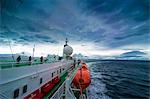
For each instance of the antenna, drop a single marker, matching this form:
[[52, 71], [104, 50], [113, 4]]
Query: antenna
[[66, 41], [33, 51], [9, 44]]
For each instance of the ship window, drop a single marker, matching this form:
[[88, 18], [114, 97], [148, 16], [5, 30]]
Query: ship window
[[41, 80], [24, 88], [60, 70], [52, 74], [16, 93]]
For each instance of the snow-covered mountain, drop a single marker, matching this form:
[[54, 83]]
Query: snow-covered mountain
[[80, 56], [131, 55], [134, 55]]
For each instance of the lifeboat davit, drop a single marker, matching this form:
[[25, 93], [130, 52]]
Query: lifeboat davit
[[82, 78]]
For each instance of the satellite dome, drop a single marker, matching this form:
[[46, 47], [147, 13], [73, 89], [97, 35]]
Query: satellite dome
[[67, 50]]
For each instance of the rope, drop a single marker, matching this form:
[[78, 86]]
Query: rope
[[80, 80]]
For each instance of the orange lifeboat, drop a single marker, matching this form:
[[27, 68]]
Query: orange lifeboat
[[82, 78]]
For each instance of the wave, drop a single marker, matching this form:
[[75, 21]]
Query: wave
[[119, 80], [97, 89]]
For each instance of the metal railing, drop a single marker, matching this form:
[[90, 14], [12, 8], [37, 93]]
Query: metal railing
[[59, 92], [3, 96], [4, 65], [65, 89]]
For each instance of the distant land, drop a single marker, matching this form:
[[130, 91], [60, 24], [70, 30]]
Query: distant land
[[132, 55]]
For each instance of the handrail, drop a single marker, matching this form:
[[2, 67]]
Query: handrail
[[59, 92], [66, 83], [16, 64], [3, 95], [22, 63]]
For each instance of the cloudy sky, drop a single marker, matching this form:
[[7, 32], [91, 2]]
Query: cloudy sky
[[93, 27]]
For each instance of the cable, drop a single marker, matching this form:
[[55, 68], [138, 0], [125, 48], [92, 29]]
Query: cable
[[11, 50], [9, 44]]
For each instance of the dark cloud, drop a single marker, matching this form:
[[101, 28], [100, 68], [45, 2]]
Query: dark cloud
[[113, 23], [45, 38], [127, 9], [129, 35], [37, 38]]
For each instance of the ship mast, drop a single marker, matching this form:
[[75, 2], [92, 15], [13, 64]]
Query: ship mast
[[66, 42]]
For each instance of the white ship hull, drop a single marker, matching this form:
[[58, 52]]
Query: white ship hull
[[16, 78]]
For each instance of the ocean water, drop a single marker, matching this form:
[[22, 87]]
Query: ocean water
[[119, 80]]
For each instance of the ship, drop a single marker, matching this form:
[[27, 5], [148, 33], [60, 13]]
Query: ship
[[53, 77]]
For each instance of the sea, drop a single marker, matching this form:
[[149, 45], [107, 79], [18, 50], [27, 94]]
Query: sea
[[119, 79]]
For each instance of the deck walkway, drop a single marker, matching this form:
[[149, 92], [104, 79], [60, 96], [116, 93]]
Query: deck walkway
[[63, 78]]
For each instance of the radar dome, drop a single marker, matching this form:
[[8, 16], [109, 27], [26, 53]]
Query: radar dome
[[67, 50]]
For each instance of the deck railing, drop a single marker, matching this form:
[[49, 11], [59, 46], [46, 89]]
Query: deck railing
[[59, 92], [3, 96], [4, 65]]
